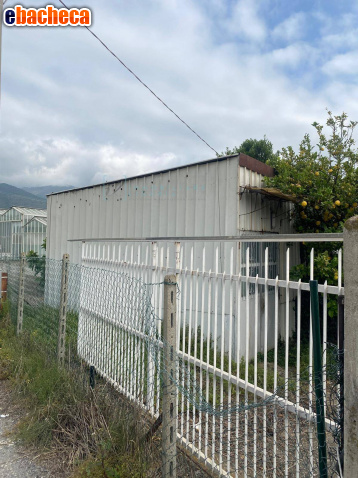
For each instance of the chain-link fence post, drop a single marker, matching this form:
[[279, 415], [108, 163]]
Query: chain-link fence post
[[61, 348], [20, 303], [350, 262], [169, 430]]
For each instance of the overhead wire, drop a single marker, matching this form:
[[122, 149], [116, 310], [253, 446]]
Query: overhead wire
[[144, 84]]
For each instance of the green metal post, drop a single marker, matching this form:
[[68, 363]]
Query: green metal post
[[317, 359]]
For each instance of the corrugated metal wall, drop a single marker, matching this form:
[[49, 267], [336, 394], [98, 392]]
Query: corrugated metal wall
[[198, 200], [206, 199]]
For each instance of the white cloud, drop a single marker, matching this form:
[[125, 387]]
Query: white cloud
[[49, 159], [72, 114], [293, 55], [246, 21], [345, 64], [292, 28]]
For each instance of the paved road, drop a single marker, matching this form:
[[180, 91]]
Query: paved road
[[15, 462]]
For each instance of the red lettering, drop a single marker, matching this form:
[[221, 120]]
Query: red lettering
[[31, 16], [52, 16], [20, 15], [63, 16], [85, 16], [74, 16], [42, 16]]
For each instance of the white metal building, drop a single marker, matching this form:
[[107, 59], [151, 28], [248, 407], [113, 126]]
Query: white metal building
[[12, 223], [218, 197]]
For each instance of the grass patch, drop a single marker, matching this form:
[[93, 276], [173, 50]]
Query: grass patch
[[94, 432]]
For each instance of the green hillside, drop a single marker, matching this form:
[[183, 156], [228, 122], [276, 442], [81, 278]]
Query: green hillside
[[12, 196], [42, 191]]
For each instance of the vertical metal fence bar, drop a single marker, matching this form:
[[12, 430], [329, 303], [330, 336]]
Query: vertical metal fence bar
[[265, 365], [178, 268], [151, 365], [256, 321], [207, 365], [298, 376], [317, 350], [275, 378], [287, 345], [247, 346], [231, 312], [215, 351], [310, 378], [185, 301], [202, 321], [222, 351], [131, 371], [324, 341], [340, 342], [238, 357], [159, 324], [190, 331], [195, 348]]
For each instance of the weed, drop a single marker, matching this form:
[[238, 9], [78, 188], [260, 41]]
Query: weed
[[97, 432]]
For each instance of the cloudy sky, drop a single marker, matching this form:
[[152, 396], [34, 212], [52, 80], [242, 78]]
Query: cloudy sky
[[233, 69]]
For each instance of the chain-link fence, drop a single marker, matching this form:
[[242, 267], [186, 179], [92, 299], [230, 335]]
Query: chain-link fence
[[214, 412]]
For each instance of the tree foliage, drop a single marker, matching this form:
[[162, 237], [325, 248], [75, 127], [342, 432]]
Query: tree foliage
[[323, 177], [260, 149], [38, 264]]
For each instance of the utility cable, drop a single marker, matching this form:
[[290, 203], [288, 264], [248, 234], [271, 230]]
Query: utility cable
[[144, 84]]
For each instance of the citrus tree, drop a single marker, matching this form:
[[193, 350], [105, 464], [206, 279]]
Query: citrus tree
[[323, 179]]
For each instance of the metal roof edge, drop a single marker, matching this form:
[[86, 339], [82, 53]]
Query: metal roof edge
[[26, 207], [37, 218], [162, 171]]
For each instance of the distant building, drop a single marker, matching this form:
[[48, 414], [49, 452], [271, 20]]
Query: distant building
[[34, 234], [20, 233]]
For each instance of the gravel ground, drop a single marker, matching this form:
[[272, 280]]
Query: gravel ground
[[15, 461]]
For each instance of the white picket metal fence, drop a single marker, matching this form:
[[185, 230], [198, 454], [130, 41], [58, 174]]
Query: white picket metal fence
[[232, 327]]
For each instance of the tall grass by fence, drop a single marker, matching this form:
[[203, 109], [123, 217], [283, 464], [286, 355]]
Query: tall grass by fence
[[238, 417]]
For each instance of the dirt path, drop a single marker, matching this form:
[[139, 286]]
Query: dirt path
[[15, 461]]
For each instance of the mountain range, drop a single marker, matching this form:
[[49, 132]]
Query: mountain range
[[42, 191], [32, 197]]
